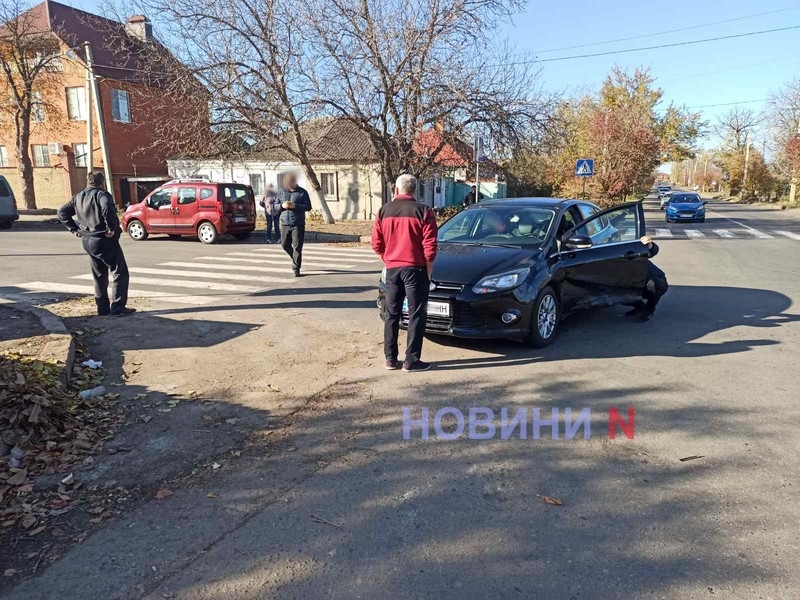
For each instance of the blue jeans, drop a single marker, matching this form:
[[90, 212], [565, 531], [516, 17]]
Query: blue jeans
[[272, 222]]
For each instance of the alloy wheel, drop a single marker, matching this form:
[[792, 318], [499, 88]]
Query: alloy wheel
[[547, 316]]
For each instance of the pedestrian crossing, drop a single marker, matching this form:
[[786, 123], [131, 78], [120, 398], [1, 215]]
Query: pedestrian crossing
[[733, 233], [199, 281]]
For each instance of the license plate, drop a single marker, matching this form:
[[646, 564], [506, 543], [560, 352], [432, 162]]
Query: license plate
[[240, 219], [439, 309], [686, 215]]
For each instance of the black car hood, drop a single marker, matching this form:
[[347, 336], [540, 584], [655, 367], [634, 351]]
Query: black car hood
[[465, 264]]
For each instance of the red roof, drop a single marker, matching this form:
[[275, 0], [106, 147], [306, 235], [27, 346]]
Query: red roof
[[453, 153]]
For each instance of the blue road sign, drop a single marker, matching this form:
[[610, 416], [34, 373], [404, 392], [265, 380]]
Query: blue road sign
[[584, 167]]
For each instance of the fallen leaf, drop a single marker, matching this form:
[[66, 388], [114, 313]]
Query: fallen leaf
[[29, 521], [10, 572], [216, 466], [161, 494], [695, 457], [212, 496], [550, 500], [18, 478], [37, 531], [96, 510], [208, 418]]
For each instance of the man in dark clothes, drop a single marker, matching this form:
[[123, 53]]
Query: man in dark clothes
[[655, 288], [404, 236], [470, 197], [98, 227], [295, 203]]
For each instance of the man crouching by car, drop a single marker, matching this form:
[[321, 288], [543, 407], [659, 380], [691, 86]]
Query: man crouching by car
[[404, 236], [655, 288]]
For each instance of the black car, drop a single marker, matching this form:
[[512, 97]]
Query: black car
[[514, 268]]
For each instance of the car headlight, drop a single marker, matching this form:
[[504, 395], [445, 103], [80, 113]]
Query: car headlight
[[503, 281], [383, 275]]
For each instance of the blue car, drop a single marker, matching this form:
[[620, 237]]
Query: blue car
[[685, 207]]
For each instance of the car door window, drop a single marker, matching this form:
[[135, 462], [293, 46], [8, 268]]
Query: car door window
[[160, 198], [568, 221], [187, 195], [623, 222]]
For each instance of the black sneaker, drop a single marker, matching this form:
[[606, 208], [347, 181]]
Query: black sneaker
[[635, 311], [297, 274], [647, 315], [104, 313], [123, 312], [392, 365], [417, 366]]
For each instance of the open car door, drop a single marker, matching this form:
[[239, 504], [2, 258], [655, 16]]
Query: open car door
[[602, 260]]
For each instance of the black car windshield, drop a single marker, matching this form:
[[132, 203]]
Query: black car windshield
[[498, 226], [685, 199]]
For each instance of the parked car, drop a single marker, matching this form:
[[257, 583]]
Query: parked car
[[514, 268], [665, 199], [194, 207], [662, 190], [685, 207], [8, 205]]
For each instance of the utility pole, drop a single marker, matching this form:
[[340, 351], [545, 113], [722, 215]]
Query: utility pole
[[478, 152], [746, 164], [98, 111], [89, 158], [795, 174]]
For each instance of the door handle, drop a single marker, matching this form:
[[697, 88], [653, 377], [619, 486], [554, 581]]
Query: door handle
[[630, 255]]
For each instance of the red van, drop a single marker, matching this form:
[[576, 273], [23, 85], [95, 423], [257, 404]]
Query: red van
[[194, 207]]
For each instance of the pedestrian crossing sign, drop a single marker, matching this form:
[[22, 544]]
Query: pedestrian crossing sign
[[584, 167]]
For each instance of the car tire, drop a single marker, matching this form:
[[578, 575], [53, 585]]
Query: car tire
[[545, 318], [6, 224], [703, 220], [666, 219], [242, 236], [137, 230], [207, 232]]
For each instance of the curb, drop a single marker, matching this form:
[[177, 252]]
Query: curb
[[61, 349]]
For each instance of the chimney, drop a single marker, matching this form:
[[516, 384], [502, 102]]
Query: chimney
[[140, 28]]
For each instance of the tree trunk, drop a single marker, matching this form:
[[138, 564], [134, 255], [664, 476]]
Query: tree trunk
[[311, 176], [25, 167]]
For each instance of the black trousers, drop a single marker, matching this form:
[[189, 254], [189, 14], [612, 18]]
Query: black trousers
[[107, 259], [653, 291], [411, 283], [292, 241]]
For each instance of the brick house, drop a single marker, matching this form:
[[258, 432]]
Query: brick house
[[59, 131]]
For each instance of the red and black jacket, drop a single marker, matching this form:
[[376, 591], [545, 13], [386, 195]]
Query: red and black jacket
[[404, 234]]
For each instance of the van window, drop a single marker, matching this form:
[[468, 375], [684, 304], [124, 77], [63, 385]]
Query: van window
[[160, 198], [4, 191], [187, 195], [231, 194], [206, 193]]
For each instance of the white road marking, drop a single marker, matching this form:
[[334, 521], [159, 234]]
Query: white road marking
[[195, 285], [260, 261], [285, 260], [210, 275], [789, 234], [695, 233], [663, 233], [724, 233], [227, 267], [71, 288], [360, 257], [758, 234]]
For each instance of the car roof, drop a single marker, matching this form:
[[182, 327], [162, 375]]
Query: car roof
[[531, 202]]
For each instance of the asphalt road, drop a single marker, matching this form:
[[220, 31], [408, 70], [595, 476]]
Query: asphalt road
[[343, 507]]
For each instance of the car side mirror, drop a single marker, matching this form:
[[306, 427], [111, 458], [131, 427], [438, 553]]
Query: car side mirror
[[704, 203], [578, 242]]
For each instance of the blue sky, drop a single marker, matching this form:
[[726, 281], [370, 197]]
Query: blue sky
[[714, 73], [696, 75]]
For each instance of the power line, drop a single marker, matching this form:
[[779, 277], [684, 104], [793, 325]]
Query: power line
[[729, 103], [660, 46], [647, 35], [727, 69]]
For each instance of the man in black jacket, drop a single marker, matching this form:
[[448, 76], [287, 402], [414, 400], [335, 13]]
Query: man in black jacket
[[295, 203], [655, 288], [98, 227]]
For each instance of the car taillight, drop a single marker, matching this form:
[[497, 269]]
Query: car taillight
[[14, 200]]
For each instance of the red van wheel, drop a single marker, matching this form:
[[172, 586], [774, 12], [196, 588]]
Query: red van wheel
[[137, 231], [207, 232]]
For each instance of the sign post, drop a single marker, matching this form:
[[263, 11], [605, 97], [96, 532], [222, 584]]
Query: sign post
[[479, 157], [584, 167]]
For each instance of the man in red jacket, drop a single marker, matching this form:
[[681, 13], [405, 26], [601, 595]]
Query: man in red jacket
[[404, 236]]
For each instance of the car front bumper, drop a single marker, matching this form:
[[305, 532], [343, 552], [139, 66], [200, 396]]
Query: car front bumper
[[9, 217], [475, 319], [679, 217]]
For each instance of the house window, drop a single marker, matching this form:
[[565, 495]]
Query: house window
[[76, 103], [328, 181], [41, 155], [37, 107], [3, 157], [80, 151], [120, 106], [257, 183]]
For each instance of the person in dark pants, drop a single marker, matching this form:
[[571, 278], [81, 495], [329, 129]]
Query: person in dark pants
[[470, 198], [404, 235], [295, 203], [98, 227], [655, 288]]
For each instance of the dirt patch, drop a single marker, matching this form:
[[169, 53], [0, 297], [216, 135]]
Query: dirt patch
[[16, 325]]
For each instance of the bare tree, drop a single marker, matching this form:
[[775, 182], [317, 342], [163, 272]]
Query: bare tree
[[782, 117], [30, 60], [735, 125], [251, 57], [399, 67]]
